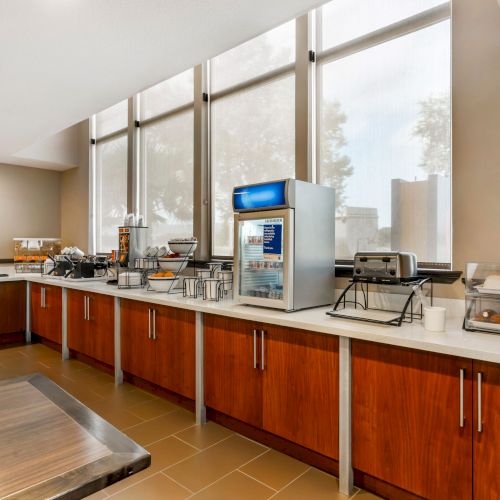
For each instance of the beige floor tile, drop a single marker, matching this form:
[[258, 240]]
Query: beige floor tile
[[235, 486], [161, 427], [91, 377], [118, 417], [80, 392], [155, 487], [313, 484], [364, 495], [211, 464], [153, 408], [169, 451], [123, 395], [275, 469], [203, 436]]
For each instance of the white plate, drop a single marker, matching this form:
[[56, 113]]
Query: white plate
[[492, 291]]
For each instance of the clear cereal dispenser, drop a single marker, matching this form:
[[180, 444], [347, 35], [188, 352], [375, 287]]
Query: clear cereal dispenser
[[482, 297]]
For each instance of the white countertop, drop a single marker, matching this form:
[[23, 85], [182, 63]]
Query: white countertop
[[454, 341]]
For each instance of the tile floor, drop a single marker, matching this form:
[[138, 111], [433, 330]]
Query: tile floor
[[188, 460]]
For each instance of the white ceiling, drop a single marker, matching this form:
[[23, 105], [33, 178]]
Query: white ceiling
[[63, 60]]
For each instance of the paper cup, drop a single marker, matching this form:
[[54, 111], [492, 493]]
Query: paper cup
[[435, 319]]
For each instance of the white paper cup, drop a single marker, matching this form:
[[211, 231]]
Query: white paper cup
[[435, 319]]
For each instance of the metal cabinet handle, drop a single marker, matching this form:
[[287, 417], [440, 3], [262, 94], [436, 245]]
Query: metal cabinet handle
[[262, 355], [479, 402], [88, 308], [149, 323], [42, 298], [462, 374], [255, 348], [154, 324], [85, 308]]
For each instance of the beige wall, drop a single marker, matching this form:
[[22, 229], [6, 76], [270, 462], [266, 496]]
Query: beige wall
[[29, 205], [75, 196], [476, 133]]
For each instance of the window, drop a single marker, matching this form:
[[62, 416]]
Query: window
[[382, 138], [384, 126], [110, 175], [167, 158], [252, 124]]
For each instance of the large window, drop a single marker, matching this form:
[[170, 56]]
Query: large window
[[166, 145], [110, 175], [252, 122], [384, 125], [370, 102]]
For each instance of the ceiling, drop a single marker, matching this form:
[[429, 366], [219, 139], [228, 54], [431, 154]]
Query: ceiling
[[63, 60]]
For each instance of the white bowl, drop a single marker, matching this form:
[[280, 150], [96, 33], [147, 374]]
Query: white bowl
[[182, 247], [162, 284], [176, 265]]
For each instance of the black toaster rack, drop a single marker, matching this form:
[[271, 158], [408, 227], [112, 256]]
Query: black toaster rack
[[361, 289]]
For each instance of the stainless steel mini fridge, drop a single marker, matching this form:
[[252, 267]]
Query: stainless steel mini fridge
[[284, 244]]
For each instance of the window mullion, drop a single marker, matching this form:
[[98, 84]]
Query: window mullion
[[201, 151]]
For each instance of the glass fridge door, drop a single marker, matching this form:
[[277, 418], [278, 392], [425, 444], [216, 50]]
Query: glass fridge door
[[262, 261]]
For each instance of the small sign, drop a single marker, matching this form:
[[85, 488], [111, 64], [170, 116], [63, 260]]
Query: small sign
[[272, 242]]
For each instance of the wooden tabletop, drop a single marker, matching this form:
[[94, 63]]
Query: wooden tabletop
[[52, 446]]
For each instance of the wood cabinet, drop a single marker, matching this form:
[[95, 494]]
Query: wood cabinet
[[175, 338], [282, 380], [13, 302], [159, 345], [301, 389], [486, 437], [406, 425], [91, 325], [46, 311], [232, 374]]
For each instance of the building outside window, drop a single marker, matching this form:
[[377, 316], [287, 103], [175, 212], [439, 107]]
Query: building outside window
[[252, 122], [384, 124], [110, 175], [166, 146]]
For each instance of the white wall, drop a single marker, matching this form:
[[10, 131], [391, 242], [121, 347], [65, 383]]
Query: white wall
[[60, 150]]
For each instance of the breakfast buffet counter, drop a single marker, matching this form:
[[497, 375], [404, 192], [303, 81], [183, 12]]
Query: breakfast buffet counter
[[454, 341]]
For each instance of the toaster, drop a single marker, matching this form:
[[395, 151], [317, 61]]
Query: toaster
[[385, 267]]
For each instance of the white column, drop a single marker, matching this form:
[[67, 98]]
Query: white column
[[64, 323], [345, 456], [117, 342], [201, 412]]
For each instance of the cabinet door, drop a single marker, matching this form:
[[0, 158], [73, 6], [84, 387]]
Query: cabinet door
[[175, 350], [101, 327], [13, 302], [46, 316], [406, 419], [487, 442], [79, 339], [301, 388], [232, 384], [137, 349]]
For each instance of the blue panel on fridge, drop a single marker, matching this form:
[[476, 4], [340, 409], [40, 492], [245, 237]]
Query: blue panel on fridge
[[257, 196]]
